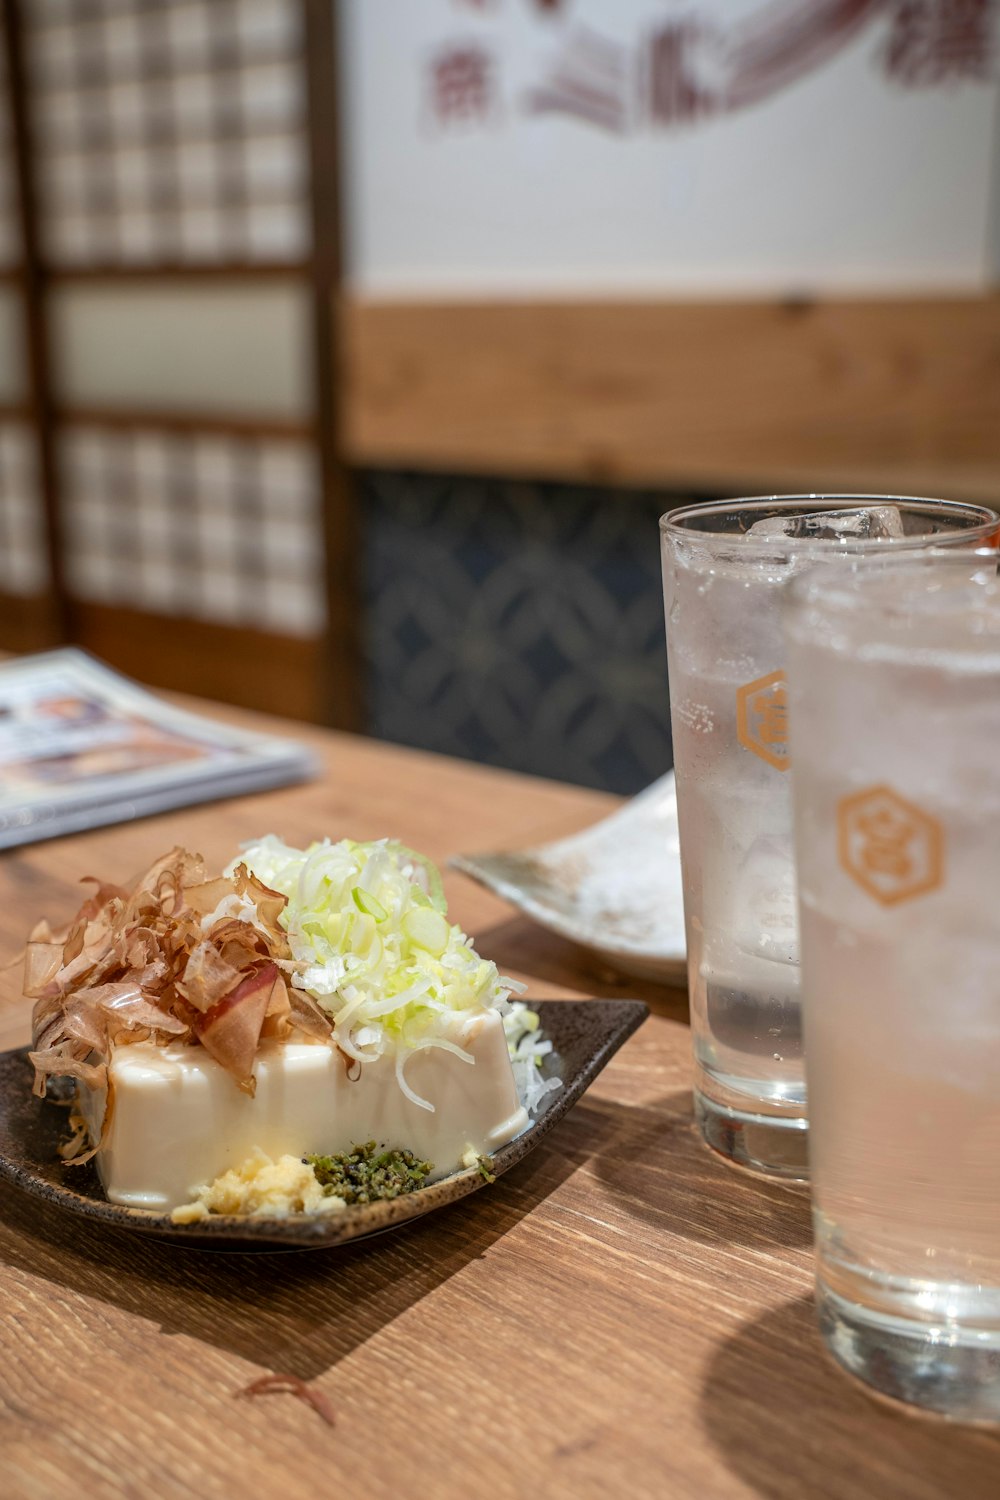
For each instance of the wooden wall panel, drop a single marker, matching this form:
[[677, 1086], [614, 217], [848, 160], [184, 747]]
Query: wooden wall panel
[[27, 623], [884, 395], [274, 674]]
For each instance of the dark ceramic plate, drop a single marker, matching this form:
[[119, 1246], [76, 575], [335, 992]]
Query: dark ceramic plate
[[585, 1035]]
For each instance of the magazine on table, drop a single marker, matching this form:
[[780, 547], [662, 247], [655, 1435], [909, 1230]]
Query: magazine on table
[[81, 747]]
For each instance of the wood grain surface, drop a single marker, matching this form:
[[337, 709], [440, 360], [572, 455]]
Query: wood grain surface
[[734, 397], [621, 1315]]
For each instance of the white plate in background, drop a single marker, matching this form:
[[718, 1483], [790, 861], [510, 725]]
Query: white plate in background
[[615, 888]]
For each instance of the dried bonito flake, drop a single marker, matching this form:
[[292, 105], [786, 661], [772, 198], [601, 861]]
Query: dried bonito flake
[[292, 1385], [175, 957]]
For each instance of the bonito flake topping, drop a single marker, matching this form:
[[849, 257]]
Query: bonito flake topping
[[175, 958]]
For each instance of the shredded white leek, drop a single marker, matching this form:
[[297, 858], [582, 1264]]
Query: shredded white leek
[[371, 943], [527, 1047]]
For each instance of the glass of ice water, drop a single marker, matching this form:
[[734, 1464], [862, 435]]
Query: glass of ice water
[[725, 566], [894, 691]]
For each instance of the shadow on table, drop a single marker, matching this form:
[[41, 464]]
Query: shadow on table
[[786, 1421], [660, 1170], [302, 1312], [523, 945]]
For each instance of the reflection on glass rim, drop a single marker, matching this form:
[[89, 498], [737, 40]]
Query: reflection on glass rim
[[724, 522]]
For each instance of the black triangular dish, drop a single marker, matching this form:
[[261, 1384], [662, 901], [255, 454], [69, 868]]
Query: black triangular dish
[[585, 1035]]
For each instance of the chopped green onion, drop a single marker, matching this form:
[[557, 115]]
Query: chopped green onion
[[366, 902]]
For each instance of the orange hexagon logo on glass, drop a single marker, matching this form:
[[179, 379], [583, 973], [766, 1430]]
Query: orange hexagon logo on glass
[[889, 847], [762, 719]]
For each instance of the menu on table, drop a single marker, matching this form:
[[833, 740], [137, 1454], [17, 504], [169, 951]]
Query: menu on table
[[81, 747]]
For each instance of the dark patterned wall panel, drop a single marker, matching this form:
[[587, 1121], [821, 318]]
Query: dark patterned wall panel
[[518, 624]]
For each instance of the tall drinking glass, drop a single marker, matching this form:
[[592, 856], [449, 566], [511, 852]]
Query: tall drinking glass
[[894, 685], [724, 567]]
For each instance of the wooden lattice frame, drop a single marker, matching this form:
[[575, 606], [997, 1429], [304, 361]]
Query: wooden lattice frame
[[337, 663]]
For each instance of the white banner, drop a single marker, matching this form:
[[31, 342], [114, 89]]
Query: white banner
[[669, 147]]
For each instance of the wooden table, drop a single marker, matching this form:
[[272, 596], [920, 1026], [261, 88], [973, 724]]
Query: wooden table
[[621, 1315]]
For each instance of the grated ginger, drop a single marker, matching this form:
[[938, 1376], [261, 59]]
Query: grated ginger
[[261, 1187]]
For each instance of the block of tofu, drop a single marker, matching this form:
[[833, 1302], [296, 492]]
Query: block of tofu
[[179, 1120]]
